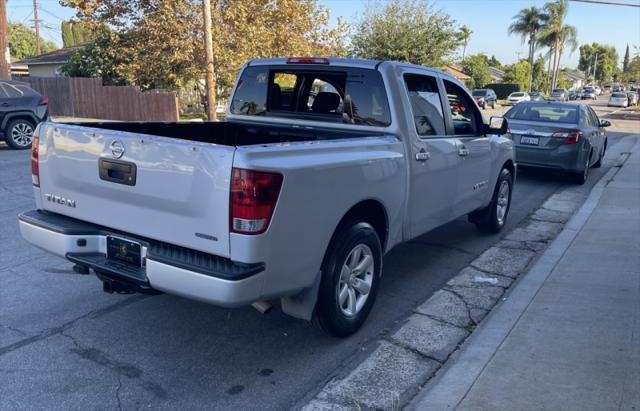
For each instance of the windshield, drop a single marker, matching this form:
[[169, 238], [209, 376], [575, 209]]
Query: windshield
[[544, 113], [479, 93], [558, 90], [344, 94], [618, 95], [517, 95]]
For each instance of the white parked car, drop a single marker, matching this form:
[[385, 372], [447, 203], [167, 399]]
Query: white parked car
[[517, 97], [619, 100]]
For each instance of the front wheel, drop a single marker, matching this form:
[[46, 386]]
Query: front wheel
[[493, 218], [598, 163], [581, 177], [350, 275]]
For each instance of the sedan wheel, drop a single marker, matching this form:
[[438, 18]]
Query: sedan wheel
[[19, 134]]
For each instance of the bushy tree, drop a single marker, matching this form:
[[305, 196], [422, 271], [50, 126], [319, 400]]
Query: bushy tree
[[22, 42], [406, 30], [539, 75], [477, 67], [518, 73], [159, 44], [607, 64], [78, 32]]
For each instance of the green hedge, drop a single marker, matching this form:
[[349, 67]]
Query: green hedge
[[503, 89]]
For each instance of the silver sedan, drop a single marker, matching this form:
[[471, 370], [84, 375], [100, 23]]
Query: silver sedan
[[563, 136]]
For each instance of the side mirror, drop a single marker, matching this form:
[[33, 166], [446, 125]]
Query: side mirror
[[497, 125], [605, 123]]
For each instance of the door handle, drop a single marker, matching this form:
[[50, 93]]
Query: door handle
[[5, 104], [463, 151], [423, 155]]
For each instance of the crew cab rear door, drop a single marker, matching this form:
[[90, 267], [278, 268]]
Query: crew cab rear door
[[433, 159]]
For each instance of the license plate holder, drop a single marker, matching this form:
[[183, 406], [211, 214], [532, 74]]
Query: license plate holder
[[124, 250], [529, 141]]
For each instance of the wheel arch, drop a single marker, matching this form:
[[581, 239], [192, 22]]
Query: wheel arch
[[19, 115], [370, 211]]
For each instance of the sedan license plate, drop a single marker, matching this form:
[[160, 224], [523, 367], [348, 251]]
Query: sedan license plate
[[124, 250], [529, 141]]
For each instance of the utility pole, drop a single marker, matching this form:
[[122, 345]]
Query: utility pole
[[208, 45], [595, 66], [4, 42], [36, 25]]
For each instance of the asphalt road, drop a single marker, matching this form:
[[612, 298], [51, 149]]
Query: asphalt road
[[65, 344]]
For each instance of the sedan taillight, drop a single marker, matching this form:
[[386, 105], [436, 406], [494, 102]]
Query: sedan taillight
[[568, 136], [254, 195]]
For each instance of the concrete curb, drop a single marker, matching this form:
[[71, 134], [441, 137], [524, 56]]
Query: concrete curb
[[408, 358], [449, 388]]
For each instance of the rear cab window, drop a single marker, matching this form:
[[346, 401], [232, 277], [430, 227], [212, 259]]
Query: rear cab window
[[313, 92], [425, 105], [544, 113]]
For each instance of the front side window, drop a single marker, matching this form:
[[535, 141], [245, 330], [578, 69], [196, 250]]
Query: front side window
[[465, 120], [349, 95], [425, 104]]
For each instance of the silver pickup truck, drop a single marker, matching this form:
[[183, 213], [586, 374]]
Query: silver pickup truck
[[321, 167]]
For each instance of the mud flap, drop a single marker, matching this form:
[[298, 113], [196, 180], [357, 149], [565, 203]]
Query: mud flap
[[302, 304]]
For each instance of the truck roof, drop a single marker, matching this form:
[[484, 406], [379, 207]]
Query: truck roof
[[350, 62]]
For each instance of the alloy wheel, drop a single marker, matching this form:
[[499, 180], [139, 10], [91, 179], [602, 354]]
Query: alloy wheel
[[356, 279], [22, 134], [503, 202]]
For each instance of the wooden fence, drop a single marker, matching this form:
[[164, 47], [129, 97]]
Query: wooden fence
[[88, 98]]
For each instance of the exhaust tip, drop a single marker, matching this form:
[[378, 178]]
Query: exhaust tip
[[262, 306]]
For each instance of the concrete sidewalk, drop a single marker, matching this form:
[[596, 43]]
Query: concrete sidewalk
[[568, 335]]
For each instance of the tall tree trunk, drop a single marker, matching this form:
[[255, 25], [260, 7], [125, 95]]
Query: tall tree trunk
[[558, 67], [464, 51], [532, 40], [553, 68], [549, 74]]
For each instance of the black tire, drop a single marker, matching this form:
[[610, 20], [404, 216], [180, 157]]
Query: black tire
[[493, 104], [484, 106], [19, 134], [490, 219], [330, 315], [598, 163], [581, 177]]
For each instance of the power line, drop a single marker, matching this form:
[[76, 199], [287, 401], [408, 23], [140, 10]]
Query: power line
[[608, 3]]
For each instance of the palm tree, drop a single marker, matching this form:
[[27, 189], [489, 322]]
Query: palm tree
[[465, 35], [557, 34], [527, 23]]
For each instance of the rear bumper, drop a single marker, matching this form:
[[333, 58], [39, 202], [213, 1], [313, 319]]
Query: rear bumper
[[564, 158], [176, 270]]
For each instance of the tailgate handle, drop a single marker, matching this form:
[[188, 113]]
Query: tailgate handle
[[117, 171]]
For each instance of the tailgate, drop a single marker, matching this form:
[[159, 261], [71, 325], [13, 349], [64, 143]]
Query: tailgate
[[171, 190]]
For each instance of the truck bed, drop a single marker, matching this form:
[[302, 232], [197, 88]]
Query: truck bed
[[228, 133]]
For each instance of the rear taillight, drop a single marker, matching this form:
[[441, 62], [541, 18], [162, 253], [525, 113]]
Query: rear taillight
[[568, 136], [35, 167], [253, 198], [44, 102]]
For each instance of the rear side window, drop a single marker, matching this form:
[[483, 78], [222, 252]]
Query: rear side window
[[425, 104], [11, 91], [350, 95]]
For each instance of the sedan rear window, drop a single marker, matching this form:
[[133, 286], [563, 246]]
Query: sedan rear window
[[517, 95], [619, 95], [546, 113], [342, 94]]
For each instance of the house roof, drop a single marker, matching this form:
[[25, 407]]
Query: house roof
[[59, 56], [456, 72], [574, 75], [496, 73]]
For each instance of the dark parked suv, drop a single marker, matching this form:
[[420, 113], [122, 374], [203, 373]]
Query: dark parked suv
[[485, 97], [21, 109]]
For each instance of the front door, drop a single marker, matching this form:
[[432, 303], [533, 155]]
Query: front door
[[434, 159], [474, 187]]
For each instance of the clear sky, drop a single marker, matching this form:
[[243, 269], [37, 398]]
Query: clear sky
[[489, 19]]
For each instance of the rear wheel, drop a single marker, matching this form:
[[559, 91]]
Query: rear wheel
[[493, 218], [19, 134], [598, 163], [350, 276], [582, 176], [493, 104]]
